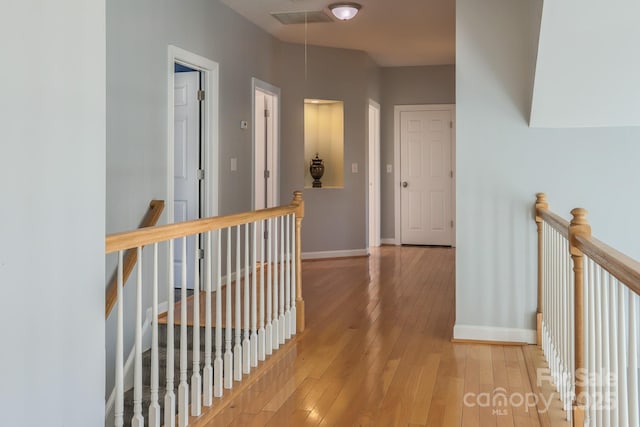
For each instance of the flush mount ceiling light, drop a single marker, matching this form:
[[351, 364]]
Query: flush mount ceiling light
[[344, 11]]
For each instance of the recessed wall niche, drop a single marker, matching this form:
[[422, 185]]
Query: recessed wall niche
[[324, 136]]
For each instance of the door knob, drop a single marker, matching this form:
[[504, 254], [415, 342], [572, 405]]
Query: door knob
[[405, 184]]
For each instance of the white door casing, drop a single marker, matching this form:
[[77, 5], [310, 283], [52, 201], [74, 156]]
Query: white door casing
[[208, 127], [186, 202], [374, 174], [426, 175], [266, 144]]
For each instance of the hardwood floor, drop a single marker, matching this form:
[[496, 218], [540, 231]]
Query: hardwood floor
[[377, 352]]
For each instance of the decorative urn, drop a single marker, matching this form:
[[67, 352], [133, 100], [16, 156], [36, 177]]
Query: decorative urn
[[316, 168]]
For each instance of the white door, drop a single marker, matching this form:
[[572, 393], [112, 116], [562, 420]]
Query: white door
[[187, 165], [374, 175], [265, 149], [426, 177]]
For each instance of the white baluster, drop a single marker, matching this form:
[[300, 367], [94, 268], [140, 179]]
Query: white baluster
[[563, 322], [246, 343], [599, 340], [275, 332], [287, 287], [294, 277], [138, 420], [268, 336], [228, 329], [170, 397], [623, 391], [281, 320], [237, 348], [119, 403], [261, 337], [207, 372], [183, 387], [606, 344], [217, 363], [545, 287], [613, 348], [588, 337], [196, 379], [154, 406], [634, 402], [552, 312], [556, 318], [254, 300], [590, 342]]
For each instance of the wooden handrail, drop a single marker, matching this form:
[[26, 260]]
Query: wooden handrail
[[141, 237], [581, 243], [131, 256], [556, 222], [622, 267], [145, 236]]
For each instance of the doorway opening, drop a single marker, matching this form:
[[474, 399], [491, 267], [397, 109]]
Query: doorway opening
[[192, 149], [266, 144]]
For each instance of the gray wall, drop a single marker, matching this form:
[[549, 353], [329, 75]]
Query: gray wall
[[52, 178], [502, 163], [335, 219], [137, 38], [406, 86]]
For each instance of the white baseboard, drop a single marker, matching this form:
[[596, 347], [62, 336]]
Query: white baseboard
[[335, 254], [391, 241], [490, 333]]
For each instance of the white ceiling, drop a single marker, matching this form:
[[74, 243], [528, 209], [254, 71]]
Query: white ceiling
[[392, 32]]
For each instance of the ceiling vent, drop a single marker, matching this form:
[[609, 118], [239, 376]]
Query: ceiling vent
[[312, 17]]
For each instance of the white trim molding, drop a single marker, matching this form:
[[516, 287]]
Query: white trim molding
[[397, 109], [210, 126], [268, 88], [335, 254], [491, 333], [391, 241]]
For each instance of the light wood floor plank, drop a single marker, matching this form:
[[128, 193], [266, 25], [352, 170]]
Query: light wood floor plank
[[377, 352]]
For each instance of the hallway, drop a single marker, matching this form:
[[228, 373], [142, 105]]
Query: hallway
[[377, 351]]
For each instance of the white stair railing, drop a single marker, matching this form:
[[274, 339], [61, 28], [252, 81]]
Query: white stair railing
[[256, 294], [588, 320]]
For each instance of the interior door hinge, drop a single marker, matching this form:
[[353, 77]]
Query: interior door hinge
[[266, 235], [200, 95], [267, 113], [200, 174], [200, 254], [451, 223], [451, 174], [450, 125], [267, 174]]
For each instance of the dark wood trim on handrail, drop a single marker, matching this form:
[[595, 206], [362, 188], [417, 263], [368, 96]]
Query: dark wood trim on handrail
[[131, 256], [622, 267], [149, 235], [556, 222]]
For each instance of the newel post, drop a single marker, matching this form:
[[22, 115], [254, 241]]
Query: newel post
[[579, 227], [541, 203], [299, 203]]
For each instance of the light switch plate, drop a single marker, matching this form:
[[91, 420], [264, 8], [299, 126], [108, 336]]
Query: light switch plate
[[389, 168], [354, 168], [234, 164]]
